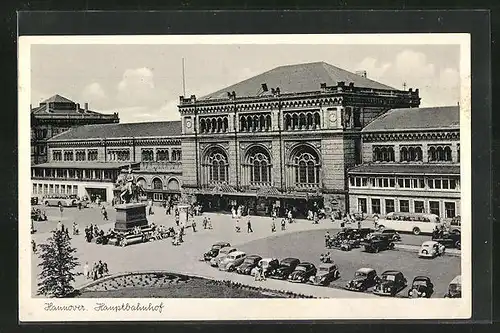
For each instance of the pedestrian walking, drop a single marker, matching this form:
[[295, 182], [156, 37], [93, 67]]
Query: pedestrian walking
[[79, 205], [237, 226], [283, 224], [249, 226], [290, 216], [327, 238], [104, 214], [375, 221], [359, 224], [86, 272], [193, 225], [273, 226], [205, 222], [61, 209], [33, 245], [209, 224]]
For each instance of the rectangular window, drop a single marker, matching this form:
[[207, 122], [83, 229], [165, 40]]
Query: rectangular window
[[421, 183], [389, 206], [34, 188], [453, 184], [75, 189], [407, 183], [445, 184], [419, 206], [364, 181], [450, 209], [45, 189], [51, 189], [375, 206], [358, 182], [434, 207], [404, 206], [379, 181], [392, 182], [400, 182], [386, 182], [437, 183], [158, 196], [372, 182], [351, 180], [362, 205]]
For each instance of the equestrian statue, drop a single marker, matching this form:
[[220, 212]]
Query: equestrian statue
[[130, 190]]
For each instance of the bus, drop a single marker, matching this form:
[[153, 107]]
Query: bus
[[415, 223], [56, 200]]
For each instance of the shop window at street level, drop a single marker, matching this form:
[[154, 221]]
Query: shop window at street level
[[434, 207], [375, 206], [362, 205], [419, 206], [389, 206], [450, 209], [404, 206]]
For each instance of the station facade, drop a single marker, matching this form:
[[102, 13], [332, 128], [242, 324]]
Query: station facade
[[283, 138]]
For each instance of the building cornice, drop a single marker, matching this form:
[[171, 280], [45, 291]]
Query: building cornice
[[418, 135]]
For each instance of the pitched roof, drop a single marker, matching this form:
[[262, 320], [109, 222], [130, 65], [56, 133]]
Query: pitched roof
[[57, 99], [439, 117], [127, 130], [410, 169], [297, 78]]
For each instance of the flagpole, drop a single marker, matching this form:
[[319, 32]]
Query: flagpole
[[183, 80]]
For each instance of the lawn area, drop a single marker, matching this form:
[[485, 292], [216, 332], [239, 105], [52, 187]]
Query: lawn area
[[193, 288]]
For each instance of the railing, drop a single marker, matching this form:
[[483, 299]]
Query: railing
[[260, 184], [304, 186], [161, 166], [72, 179]]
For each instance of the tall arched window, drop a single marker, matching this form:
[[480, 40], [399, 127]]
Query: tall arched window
[[216, 166], [157, 184], [268, 122], [162, 155], [243, 124], [225, 124], [309, 120], [295, 121], [262, 122], [288, 122], [141, 182], [147, 155], [306, 164], [302, 121], [317, 120], [258, 165], [202, 125]]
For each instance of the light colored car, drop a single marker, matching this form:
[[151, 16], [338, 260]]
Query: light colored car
[[232, 260], [431, 249], [59, 200], [267, 264], [214, 262]]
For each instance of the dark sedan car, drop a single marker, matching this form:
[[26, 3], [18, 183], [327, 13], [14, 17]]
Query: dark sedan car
[[214, 251], [449, 239], [247, 265], [390, 283], [378, 242], [364, 278], [422, 287], [302, 272], [286, 267]]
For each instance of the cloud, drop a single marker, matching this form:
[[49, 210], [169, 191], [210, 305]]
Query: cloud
[[93, 91], [137, 87], [170, 111], [413, 64], [373, 68]]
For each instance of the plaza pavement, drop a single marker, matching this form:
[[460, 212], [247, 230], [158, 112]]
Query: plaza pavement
[[162, 255]]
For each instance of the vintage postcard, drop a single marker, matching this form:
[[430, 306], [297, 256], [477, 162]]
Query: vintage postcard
[[259, 177]]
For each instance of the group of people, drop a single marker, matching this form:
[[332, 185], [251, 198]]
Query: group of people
[[249, 225], [260, 274], [93, 231], [99, 269]]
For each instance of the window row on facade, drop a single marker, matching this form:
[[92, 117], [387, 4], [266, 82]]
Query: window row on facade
[[386, 206], [302, 120], [82, 174], [435, 153], [160, 154], [438, 183], [303, 167], [54, 189], [255, 122], [75, 155], [216, 124]]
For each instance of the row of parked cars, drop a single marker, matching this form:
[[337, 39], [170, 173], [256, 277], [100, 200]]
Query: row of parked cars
[[227, 258]]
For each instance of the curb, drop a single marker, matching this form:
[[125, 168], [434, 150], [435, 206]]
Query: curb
[[415, 249]]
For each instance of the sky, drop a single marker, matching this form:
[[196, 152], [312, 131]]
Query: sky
[[144, 82]]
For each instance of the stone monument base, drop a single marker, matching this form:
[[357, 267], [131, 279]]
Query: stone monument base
[[129, 216]]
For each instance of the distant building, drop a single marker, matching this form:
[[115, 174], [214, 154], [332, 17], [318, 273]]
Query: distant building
[[87, 160], [411, 163], [284, 138], [56, 115]]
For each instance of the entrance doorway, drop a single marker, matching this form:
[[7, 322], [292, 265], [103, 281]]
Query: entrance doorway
[[94, 193]]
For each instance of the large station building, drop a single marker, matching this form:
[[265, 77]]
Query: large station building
[[285, 137], [56, 115], [292, 137]]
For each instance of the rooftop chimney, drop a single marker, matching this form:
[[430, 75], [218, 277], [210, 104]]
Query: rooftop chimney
[[361, 73], [322, 85], [86, 107], [264, 87]]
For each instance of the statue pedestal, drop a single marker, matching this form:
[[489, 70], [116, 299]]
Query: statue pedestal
[[129, 216]]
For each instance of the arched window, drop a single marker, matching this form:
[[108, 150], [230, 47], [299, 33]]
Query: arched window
[[250, 123], [214, 125], [317, 120], [173, 184], [216, 165], [225, 124], [157, 184], [202, 125], [268, 122], [262, 121], [432, 154], [288, 122], [447, 154], [418, 154], [302, 121], [403, 155], [258, 164], [147, 155], [243, 124], [219, 124], [141, 182], [162, 155], [295, 121], [440, 153], [255, 123], [307, 166], [309, 120]]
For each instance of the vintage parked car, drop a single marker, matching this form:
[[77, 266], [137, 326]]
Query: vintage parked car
[[250, 262], [214, 251], [38, 215], [286, 267], [34, 201], [393, 234], [268, 265], [455, 288], [364, 278], [448, 239], [390, 284], [421, 287], [378, 242], [326, 273], [232, 260], [214, 262], [302, 272], [431, 249]]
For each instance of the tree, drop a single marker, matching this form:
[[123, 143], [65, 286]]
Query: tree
[[58, 263]]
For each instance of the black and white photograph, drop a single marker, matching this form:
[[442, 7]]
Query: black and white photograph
[[256, 177]]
